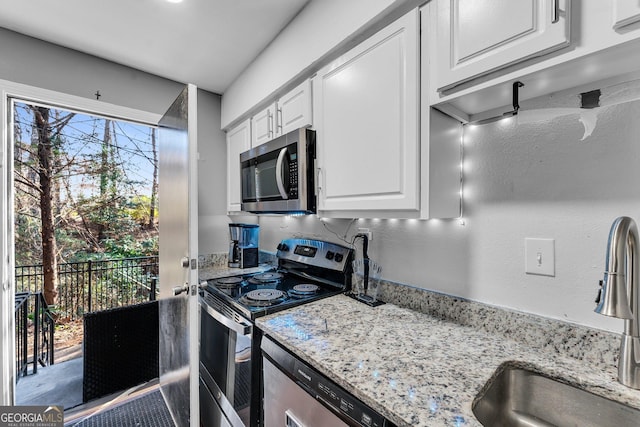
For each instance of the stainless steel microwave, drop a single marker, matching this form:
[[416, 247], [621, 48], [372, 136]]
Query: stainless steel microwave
[[278, 176]]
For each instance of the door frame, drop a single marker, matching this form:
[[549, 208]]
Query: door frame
[[10, 90]]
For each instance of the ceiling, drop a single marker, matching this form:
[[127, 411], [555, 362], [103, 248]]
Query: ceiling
[[205, 42]]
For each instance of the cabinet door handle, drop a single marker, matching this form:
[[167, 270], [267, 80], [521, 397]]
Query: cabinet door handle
[[319, 177], [270, 124], [279, 120], [555, 13]]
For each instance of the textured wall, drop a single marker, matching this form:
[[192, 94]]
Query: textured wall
[[534, 179]]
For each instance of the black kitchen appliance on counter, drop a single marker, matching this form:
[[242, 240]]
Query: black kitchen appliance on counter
[[230, 361], [243, 245]]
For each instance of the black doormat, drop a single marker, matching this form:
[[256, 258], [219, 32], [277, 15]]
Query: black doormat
[[148, 410], [120, 349]]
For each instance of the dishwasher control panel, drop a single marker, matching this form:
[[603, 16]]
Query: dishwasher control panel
[[331, 395]]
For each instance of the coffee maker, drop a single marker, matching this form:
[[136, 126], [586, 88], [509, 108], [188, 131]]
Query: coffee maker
[[243, 247]]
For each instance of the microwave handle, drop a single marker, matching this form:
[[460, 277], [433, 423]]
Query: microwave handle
[[279, 163]]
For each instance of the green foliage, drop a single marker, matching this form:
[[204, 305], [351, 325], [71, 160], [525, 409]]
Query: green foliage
[[128, 247], [138, 208], [101, 188]]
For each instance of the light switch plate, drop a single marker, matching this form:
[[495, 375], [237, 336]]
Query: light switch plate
[[540, 257]]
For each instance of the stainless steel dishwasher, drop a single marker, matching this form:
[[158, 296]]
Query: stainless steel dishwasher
[[296, 395]]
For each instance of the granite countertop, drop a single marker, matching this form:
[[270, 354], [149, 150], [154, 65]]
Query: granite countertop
[[416, 369], [215, 272]]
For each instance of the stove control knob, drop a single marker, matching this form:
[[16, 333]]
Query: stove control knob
[[338, 257], [283, 247], [329, 255]]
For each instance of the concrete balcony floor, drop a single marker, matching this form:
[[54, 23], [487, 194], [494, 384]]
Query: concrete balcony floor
[[57, 384], [61, 384]]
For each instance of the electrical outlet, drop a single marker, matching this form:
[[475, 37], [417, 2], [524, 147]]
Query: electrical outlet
[[366, 232], [540, 257]]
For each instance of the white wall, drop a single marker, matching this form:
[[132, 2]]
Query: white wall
[[213, 233], [37, 63], [521, 180]]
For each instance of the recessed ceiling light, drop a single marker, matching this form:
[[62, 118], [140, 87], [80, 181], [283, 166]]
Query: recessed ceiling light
[[174, 1]]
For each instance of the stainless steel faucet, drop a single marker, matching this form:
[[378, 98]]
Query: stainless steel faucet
[[620, 295]]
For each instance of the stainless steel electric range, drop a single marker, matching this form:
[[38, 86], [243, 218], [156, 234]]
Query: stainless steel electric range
[[230, 362]]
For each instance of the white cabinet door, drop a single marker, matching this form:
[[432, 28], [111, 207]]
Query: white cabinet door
[[294, 109], [366, 115], [238, 141], [290, 112], [263, 126], [625, 12], [476, 37]]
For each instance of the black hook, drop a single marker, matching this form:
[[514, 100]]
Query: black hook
[[515, 102], [516, 86]]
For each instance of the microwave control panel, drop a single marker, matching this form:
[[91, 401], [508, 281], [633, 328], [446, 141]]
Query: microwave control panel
[[293, 176]]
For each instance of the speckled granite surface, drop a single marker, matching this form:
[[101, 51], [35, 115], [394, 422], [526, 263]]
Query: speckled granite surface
[[425, 368], [206, 273], [573, 340], [217, 260], [212, 266]]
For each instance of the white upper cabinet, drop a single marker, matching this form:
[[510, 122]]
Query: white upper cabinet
[[263, 125], [366, 114], [294, 109], [238, 141], [625, 12], [289, 112], [477, 37]]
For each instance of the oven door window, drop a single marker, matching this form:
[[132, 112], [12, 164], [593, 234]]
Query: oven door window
[[226, 356]]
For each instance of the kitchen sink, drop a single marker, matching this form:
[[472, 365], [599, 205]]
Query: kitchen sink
[[519, 397]]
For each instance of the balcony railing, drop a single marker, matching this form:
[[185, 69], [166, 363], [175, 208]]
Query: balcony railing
[[22, 331], [35, 328], [95, 285]]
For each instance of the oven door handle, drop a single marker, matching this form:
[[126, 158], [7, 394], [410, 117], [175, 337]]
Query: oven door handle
[[242, 328]]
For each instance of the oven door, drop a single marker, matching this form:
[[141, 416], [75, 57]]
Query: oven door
[[225, 362]]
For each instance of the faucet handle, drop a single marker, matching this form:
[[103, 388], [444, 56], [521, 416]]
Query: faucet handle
[[599, 296]]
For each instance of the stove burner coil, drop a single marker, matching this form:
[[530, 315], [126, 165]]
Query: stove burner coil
[[264, 297], [265, 294], [305, 289], [268, 277], [228, 282]]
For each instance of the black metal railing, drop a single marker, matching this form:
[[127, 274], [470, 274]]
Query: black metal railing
[[35, 328], [22, 331], [89, 286], [44, 326]]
